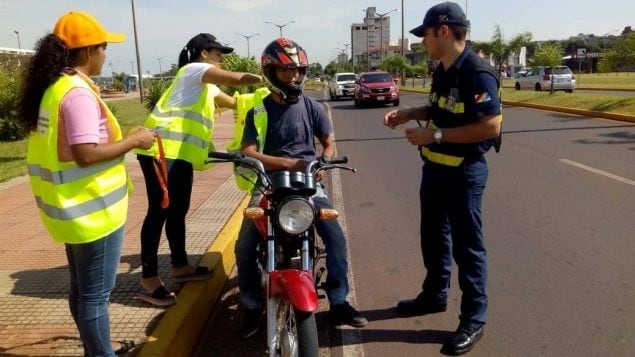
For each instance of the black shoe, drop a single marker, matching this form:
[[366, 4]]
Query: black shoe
[[124, 347], [463, 341], [419, 306], [345, 314], [251, 323]]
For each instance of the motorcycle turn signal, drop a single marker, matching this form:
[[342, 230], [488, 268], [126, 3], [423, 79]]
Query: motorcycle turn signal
[[328, 213], [253, 212]]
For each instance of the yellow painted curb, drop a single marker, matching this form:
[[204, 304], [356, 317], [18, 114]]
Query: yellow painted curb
[[180, 327], [588, 113]]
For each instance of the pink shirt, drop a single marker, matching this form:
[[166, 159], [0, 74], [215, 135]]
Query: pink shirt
[[82, 121]]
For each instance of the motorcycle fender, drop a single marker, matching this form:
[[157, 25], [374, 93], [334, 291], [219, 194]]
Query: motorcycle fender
[[295, 285]]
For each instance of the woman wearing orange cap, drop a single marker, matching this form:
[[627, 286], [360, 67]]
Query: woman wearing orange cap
[[76, 167]]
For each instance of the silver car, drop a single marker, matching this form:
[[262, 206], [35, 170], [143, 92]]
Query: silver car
[[539, 79], [342, 85]]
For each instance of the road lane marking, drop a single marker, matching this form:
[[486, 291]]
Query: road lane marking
[[599, 172], [352, 339]]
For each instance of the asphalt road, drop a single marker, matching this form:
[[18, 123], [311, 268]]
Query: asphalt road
[[558, 217]]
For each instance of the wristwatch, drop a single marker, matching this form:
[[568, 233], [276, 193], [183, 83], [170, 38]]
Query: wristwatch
[[438, 135]]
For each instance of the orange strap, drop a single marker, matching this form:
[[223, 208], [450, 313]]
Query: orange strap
[[161, 170]]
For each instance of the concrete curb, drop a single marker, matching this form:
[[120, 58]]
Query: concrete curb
[[179, 329], [588, 113]]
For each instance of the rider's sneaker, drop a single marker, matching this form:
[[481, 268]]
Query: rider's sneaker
[[251, 323], [345, 314]]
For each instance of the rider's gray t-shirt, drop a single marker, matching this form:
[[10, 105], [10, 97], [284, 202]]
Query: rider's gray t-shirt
[[290, 128]]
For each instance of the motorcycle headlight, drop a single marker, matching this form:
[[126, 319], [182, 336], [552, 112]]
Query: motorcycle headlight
[[295, 216]]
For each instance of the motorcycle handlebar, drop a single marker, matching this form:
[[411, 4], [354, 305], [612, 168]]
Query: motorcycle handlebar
[[322, 163], [334, 160], [227, 156]]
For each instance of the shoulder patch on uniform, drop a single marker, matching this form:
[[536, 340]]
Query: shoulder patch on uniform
[[482, 97]]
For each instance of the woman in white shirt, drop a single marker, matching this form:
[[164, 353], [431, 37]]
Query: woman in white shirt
[[183, 118]]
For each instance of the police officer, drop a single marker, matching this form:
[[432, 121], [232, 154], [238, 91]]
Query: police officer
[[463, 120]]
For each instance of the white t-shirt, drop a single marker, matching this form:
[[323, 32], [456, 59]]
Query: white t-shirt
[[189, 85]]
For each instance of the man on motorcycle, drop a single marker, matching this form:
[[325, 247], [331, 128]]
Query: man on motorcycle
[[293, 121]]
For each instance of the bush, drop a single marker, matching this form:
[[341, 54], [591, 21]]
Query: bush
[[10, 85], [154, 89]]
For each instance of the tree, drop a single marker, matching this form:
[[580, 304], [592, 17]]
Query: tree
[[236, 63], [621, 56], [394, 65], [502, 50], [315, 70], [549, 55]]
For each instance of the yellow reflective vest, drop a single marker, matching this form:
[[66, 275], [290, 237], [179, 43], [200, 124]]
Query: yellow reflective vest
[[186, 132], [77, 204], [246, 179]]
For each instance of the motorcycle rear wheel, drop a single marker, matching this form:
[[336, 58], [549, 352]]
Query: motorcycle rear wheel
[[296, 332]]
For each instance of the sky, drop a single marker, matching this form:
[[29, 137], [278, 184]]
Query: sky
[[320, 26]]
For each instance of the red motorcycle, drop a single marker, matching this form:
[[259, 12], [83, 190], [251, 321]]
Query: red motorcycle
[[288, 252]]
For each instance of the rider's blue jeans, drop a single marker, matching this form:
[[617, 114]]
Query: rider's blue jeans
[[93, 269], [451, 227], [251, 292]]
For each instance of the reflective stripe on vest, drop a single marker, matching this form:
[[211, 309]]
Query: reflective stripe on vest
[[76, 204], [437, 157], [85, 208], [70, 175], [456, 107], [186, 131]]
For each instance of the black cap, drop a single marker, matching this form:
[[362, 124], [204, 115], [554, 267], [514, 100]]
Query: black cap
[[206, 41], [447, 13]]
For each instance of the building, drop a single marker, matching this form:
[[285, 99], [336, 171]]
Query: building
[[368, 37], [14, 57]]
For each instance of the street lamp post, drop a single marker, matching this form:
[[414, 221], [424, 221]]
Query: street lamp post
[[346, 50], [403, 45], [112, 76], [17, 33], [160, 70], [381, 33], [280, 26], [131, 67], [247, 37], [136, 45]]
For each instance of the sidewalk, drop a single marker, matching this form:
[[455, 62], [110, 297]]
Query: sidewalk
[[34, 315]]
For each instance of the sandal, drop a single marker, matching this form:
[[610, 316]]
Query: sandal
[[160, 297], [200, 273], [125, 346]]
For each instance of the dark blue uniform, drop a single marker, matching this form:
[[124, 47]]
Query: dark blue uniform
[[452, 185]]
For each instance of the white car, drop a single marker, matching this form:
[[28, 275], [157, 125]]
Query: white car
[[342, 85], [539, 79]]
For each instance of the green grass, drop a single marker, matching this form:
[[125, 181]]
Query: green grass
[[577, 100], [12, 159], [129, 112]]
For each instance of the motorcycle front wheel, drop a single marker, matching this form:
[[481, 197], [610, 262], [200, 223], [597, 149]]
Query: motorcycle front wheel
[[296, 332]]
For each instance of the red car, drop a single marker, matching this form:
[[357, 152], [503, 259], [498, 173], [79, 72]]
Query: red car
[[376, 87]]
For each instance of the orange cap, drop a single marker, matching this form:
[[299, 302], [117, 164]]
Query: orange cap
[[79, 29]]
